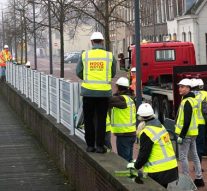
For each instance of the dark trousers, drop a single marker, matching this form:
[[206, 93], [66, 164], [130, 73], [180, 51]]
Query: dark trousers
[[125, 146], [200, 141], [108, 140], [95, 111]]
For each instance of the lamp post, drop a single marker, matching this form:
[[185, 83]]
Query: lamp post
[[34, 33], [23, 30], [50, 38], [137, 44], [3, 38], [15, 28]]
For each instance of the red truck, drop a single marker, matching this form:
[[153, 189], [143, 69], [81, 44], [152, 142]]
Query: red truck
[[163, 65]]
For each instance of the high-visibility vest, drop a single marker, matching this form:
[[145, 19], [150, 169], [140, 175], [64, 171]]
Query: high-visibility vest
[[97, 65], [200, 97], [4, 57], [124, 120], [193, 128], [108, 123], [162, 156]]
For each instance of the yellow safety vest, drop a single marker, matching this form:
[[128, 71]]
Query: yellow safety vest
[[97, 65], [162, 156], [124, 120], [200, 97], [108, 123], [193, 128]]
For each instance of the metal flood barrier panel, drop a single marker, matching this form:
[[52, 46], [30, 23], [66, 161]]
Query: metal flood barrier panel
[[58, 97]]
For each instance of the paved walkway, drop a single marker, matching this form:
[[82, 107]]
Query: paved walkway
[[24, 165]]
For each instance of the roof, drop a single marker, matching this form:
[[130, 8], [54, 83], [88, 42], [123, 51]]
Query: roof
[[194, 7], [166, 44]]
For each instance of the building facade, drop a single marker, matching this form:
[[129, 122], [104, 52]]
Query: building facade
[[160, 20], [192, 26]]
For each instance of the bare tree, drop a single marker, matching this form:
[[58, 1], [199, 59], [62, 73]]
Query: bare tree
[[104, 12], [62, 14]]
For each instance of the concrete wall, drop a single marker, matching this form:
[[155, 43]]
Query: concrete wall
[[85, 171]]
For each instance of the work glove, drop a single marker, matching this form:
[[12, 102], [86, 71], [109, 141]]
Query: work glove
[[130, 165], [179, 140]]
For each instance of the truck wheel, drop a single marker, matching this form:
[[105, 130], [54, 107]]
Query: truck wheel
[[156, 106], [165, 110]]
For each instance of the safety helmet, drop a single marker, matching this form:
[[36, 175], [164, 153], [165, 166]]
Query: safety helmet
[[145, 110], [133, 69], [97, 36], [185, 82], [27, 63], [122, 81], [194, 82], [200, 82], [6, 46]]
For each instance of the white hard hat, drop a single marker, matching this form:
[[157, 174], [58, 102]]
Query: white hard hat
[[27, 63], [133, 69], [194, 82], [200, 82], [6, 46], [145, 110], [97, 36], [122, 81], [185, 82]]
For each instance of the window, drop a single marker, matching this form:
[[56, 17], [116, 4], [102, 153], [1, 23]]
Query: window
[[165, 55], [189, 36], [184, 36]]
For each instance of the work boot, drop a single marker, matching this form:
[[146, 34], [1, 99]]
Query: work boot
[[199, 182], [101, 150], [90, 149]]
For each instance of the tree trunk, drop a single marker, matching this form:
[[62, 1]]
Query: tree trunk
[[107, 38], [61, 51]]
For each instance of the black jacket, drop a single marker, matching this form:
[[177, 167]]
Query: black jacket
[[146, 145]]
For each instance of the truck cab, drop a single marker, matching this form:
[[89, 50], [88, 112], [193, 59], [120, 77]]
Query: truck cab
[[159, 58], [159, 77]]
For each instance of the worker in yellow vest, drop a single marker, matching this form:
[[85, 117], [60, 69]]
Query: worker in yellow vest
[[5, 55], [108, 133], [96, 68], [187, 130], [156, 154], [123, 119], [200, 96]]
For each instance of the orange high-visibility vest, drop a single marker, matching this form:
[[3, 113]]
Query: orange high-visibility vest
[[4, 57]]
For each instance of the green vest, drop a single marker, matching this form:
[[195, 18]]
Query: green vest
[[193, 128], [200, 97], [162, 156], [124, 120], [108, 123], [97, 65]]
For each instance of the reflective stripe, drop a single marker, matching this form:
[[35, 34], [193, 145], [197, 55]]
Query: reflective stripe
[[124, 120], [194, 123], [129, 104], [164, 152], [200, 97], [107, 59], [160, 161], [123, 125]]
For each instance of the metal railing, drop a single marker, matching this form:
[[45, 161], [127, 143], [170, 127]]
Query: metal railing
[[58, 97]]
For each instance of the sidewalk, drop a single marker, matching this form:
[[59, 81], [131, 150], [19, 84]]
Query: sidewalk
[[24, 165]]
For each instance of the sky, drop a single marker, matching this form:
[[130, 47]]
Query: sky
[[3, 2]]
